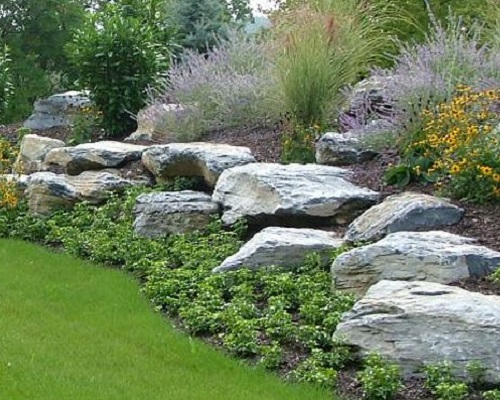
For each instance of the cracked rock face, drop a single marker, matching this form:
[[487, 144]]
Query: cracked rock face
[[206, 160], [403, 212], [413, 256], [283, 247], [93, 156], [290, 195], [48, 192], [423, 323], [33, 151], [161, 213]]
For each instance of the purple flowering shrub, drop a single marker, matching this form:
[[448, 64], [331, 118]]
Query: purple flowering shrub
[[424, 75], [228, 87]]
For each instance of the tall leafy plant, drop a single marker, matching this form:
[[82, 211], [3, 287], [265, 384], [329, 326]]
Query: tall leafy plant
[[117, 55], [322, 47]]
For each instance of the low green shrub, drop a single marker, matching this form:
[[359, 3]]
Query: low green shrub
[[117, 55], [491, 394], [298, 143], [379, 379]]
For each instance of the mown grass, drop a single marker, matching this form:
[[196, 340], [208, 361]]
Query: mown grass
[[70, 330]]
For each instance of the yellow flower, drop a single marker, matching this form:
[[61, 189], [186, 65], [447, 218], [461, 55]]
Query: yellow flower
[[486, 170], [455, 169], [496, 177]]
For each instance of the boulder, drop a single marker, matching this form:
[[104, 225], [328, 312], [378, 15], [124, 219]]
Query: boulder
[[424, 323], [57, 110], [366, 103], [338, 149], [92, 156], [404, 212], [150, 122], [161, 213], [290, 195], [283, 247], [206, 160], [413, 256], [48, 192], [32, 152]]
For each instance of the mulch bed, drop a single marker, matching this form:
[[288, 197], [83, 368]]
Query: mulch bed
[[481, 222]]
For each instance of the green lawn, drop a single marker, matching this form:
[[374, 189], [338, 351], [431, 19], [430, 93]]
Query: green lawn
[[70, 330]]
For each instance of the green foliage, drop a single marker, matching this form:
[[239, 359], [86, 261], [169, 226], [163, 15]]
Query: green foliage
[[452, 391], [298, 143], [491, 394], [36, 32], [6, 88], [442, 382], [84, 124], [380, 380], [202, 23], [437, 374], [421, 14], [117, 55], [322, 47]]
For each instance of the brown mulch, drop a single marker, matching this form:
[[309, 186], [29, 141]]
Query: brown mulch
[[481, 222]]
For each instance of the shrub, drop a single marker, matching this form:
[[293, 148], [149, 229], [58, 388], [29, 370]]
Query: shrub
[[6, 88], [298, 143], [84, 125], [428, 74], [441, 381], [322, 47], [9, 190], [117, 55], [459, 146], [228, 87], [379, 379], [491, 394]]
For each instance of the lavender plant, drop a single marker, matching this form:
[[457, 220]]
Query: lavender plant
[[425, 75], [228, 87]]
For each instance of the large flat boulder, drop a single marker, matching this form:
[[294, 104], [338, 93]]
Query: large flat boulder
[[424, 323], [47, 192], [161, 213], [290, 195], [403, 212], [57, 110], [433, 256], [93, 156], [32, 152], [283, 247], [206, 160]]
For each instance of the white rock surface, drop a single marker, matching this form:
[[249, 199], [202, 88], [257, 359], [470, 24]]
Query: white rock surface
[[32, 152], [150, 124], [403, 212], [206, 160], [161, 213], [423, 323], [290, 195], [93, 156], [413, 256], [283, 247], [48, 192]]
